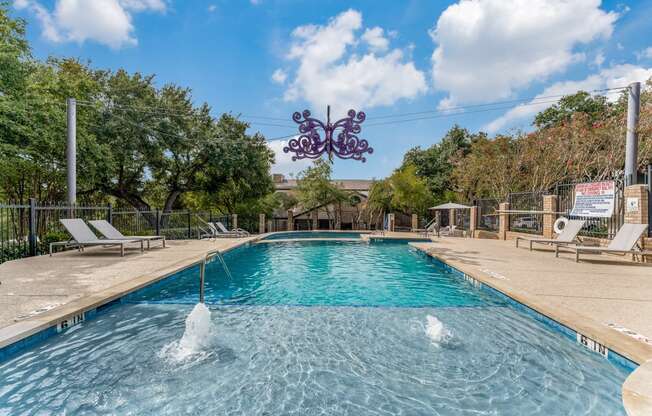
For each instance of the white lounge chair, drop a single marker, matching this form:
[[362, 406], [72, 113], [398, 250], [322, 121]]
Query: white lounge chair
[[214, 232], [109, 231], [82, 236], [223, 230], [567, 236], [625, 242], [431, 228]]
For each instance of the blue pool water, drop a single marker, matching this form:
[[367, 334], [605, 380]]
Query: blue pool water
[[312, 234], [315, 328]]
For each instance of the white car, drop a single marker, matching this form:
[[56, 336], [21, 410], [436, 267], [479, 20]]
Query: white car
[[526, 222]]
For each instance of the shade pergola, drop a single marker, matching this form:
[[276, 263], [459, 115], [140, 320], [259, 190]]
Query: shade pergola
[[450, 205]]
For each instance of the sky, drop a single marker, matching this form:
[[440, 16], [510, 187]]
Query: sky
[[265, 59]]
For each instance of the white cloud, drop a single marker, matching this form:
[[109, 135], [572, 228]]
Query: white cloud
[[279, 76], [613, 77], [108, 22], [212, 8], [284, 163], [376, 39], [599, 59], [644, 54], [487, 49], [329, 70]]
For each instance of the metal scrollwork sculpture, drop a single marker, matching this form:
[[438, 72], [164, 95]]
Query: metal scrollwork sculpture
[[339, 138]]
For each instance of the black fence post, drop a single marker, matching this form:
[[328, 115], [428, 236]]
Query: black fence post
[[158, 222], [109, 213], [189, 231], [32, 227]]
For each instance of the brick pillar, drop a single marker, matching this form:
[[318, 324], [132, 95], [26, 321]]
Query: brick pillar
[[636, 204], [636, 207], [290, 220], [315, 219], [234, 221], [503, 221], [261, 223], [473, 220], [549, 216], [415, 221], [390, 222]]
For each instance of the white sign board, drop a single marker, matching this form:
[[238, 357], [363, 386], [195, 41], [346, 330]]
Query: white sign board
[[594, 199]]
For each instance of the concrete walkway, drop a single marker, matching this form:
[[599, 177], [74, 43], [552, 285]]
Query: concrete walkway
[[38, 286]]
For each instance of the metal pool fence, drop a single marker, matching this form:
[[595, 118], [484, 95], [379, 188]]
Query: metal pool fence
[[487, 217], [28, 229], [526, 222]]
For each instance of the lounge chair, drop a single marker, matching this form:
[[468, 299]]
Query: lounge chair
[[223, 230], [432, 228], [109, 231], [568, 235], [214, 232], [624, 242], [82, 236]]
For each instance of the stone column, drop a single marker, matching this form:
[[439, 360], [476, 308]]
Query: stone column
[[390, 222], [234, 221], [636, 208], [315, 219], [503, 221], [473, 220], [636, 204], [290, 220], [261, 223], [415, 221], [451, 217], [549, 216]]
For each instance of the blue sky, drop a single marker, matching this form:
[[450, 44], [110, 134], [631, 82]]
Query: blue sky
[[272, 57]]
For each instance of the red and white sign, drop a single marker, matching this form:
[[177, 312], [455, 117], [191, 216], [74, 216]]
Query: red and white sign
[[594, 199]]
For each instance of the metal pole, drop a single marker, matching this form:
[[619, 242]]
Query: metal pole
[[631, 144], [71, 151]]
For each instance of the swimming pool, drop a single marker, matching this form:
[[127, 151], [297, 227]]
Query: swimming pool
[[315, 328]]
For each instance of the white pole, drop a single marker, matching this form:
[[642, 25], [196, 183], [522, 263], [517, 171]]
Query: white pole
[[631, 144], [71, 151]]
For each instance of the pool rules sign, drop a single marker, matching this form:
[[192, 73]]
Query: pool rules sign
[[594, 199]]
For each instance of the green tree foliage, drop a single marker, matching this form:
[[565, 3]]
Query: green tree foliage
[[595, 107], [404, 191], [315, 187], [435, 164], [137, 143]]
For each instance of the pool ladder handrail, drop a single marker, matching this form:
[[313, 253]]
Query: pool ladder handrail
[[202, 270]]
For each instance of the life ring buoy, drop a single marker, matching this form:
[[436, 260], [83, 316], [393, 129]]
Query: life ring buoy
[[560, 221]]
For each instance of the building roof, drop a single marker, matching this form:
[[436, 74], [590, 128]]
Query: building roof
[[361, 185]]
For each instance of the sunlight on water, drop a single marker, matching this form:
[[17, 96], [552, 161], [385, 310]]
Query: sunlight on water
[[197, 337], [436, 330]]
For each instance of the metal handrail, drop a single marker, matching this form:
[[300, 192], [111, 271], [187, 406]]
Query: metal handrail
[[202, 270]]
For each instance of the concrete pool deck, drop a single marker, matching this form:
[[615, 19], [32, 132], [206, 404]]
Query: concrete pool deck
[[593, 297], [37, 292]]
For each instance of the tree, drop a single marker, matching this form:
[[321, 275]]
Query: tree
[[316, 189], [402, 192], [596, 107], [435, 164]]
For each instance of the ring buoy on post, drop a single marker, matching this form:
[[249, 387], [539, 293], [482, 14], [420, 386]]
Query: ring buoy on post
[[560, 225]]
